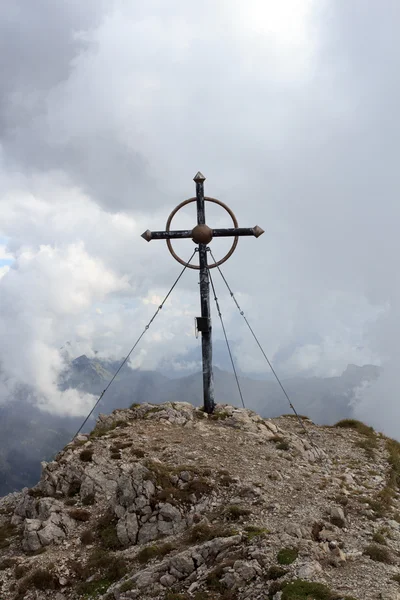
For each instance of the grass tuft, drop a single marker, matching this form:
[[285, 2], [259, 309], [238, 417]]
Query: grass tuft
[[357, 426], [88, 500], [107, 532], [307, 590], [275, 572], [204, 533], [86, 455], [253, 531], [378, 553], [287, 556], [379, 538], [234, 512], [154, 551], [7, 534]]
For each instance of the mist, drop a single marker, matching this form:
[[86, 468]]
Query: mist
[[108, 110]]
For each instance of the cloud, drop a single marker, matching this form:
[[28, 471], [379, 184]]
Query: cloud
[[42, 296], [108, 110]]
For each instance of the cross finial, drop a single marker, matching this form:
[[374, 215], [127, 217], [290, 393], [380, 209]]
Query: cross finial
[[199, 177]]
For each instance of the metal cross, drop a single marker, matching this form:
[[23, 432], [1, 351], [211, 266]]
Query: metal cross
[[202, 235]]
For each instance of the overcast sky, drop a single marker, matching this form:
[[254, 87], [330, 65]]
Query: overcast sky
[[290, 109]]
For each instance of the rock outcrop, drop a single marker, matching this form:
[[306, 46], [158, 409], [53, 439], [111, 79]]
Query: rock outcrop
[[167, 502]]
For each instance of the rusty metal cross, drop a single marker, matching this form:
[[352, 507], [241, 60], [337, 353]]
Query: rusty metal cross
[[202, 235]]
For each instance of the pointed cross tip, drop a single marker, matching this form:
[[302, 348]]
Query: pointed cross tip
[[199, 177], [146, 235], [258, 231]]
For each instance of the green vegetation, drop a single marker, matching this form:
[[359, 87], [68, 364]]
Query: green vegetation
[[234, 512], [104, 569], [253, 531], [305, 590], [137, 452], [154, 409], [154, 551], [214, 579], [393, 448], [383, 502], [7, 563], [175, 495], [74, 488], [35, 493], [368, 445], [102, 430], [280, 442], [225, 478], [357, 426], [79, 514], [162, 474], [204, 533], [107, 532], [21, 570], [378, 538], [370, 442], [7, 533], [41, 579], [227, 595], [87, 537], [93, 589], [86, 455], [341, 499], [88, 500], [116, 435], [283, 446], [378, 553], [286, 556], [300, 589], [126, 586], [120, 445], [220, 416], [275, 572], [77, 443], [293, 416]]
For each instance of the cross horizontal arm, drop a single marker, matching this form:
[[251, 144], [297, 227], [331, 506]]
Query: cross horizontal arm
[[166, 235], [188, 233], [238, 231]]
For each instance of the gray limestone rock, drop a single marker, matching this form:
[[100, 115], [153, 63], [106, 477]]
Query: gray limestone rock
[[338, 517], [309, 570], [147, 533], [127, 529]]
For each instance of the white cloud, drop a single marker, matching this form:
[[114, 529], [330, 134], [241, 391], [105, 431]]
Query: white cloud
[[4, 270], [290, 117]]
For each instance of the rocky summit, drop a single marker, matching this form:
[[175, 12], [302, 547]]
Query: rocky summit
[[166, 502]]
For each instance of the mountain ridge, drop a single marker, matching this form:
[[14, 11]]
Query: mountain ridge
[[166, 502], [324, 400]]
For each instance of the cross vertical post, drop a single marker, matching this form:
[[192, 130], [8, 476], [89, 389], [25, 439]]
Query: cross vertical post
[[206, 339], [202, 235]]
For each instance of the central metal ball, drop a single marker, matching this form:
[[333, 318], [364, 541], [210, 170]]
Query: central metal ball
[[202, 234]]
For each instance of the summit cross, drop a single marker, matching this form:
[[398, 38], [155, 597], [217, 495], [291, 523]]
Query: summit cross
[[202, 235]]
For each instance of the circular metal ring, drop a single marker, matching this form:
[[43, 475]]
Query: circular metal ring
[[214, 201]]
